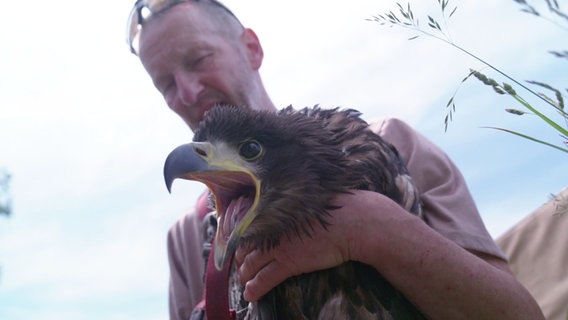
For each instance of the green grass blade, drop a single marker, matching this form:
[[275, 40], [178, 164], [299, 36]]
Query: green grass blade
[[530, 138], [553, 124]]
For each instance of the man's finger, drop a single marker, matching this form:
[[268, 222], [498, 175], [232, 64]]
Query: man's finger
[[251, 263], [267, 278]]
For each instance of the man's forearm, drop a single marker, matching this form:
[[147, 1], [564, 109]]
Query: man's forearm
[[442, 279]]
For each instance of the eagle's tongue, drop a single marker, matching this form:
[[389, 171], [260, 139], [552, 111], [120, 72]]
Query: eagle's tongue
[[235, 212]]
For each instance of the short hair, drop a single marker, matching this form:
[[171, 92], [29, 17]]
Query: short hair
[[222, 16], [145, 10]]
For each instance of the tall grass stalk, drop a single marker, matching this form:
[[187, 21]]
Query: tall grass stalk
[[406, 18]]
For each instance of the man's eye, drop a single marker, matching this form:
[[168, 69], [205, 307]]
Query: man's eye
[[164, 86], [169, 87], [202, 60], [250, 150]]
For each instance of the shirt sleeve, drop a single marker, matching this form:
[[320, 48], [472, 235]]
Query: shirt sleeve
[[536, 247], [447, 203], [185, 245]]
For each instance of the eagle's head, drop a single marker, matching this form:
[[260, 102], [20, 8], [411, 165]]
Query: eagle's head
[[271, 174]]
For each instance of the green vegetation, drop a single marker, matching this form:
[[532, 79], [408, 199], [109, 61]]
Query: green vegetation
[[553, 98]]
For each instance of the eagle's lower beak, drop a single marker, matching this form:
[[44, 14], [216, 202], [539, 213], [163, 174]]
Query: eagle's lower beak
[[234, 186]]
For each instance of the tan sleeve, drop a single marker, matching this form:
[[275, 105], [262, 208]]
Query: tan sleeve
[[447, 203], [537, 250], [185, 245]]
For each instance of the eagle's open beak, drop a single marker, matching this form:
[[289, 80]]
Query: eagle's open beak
[[235, 187]]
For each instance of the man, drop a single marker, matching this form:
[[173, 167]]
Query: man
[[198, 54]]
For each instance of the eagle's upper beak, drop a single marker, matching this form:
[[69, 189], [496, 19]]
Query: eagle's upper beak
[[232, 182]]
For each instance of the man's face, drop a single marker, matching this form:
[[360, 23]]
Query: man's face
[[193, 65]]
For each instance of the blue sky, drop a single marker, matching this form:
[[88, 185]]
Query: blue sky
[[84, 133]]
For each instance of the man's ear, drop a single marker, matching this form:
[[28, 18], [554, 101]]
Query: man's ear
[[253, 47]]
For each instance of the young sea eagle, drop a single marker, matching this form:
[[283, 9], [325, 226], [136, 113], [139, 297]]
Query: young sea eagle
[[274, 174]]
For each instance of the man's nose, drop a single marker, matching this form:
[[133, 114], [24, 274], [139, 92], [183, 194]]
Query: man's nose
[[189, 88]]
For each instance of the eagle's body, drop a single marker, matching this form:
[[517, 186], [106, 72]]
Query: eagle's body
[[275, 174]]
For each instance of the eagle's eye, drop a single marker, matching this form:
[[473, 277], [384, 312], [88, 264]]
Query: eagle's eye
[[250, 150]]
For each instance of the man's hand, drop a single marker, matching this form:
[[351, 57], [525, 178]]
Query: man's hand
[[263, 271], [324, 249]]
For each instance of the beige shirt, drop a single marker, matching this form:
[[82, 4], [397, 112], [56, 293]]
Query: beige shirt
[[447, 204], [537, 248]]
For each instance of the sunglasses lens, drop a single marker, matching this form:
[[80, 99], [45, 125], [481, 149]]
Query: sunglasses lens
[[133, 28], [142, 10]]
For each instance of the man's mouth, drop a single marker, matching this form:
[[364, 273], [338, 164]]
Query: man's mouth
[[205, 105]]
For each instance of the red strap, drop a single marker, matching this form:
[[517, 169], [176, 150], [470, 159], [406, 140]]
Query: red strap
[[217, 290], [216, 294], [201, 206]]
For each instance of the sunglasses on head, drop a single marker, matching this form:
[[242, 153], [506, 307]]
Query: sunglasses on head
[[144, 9]]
